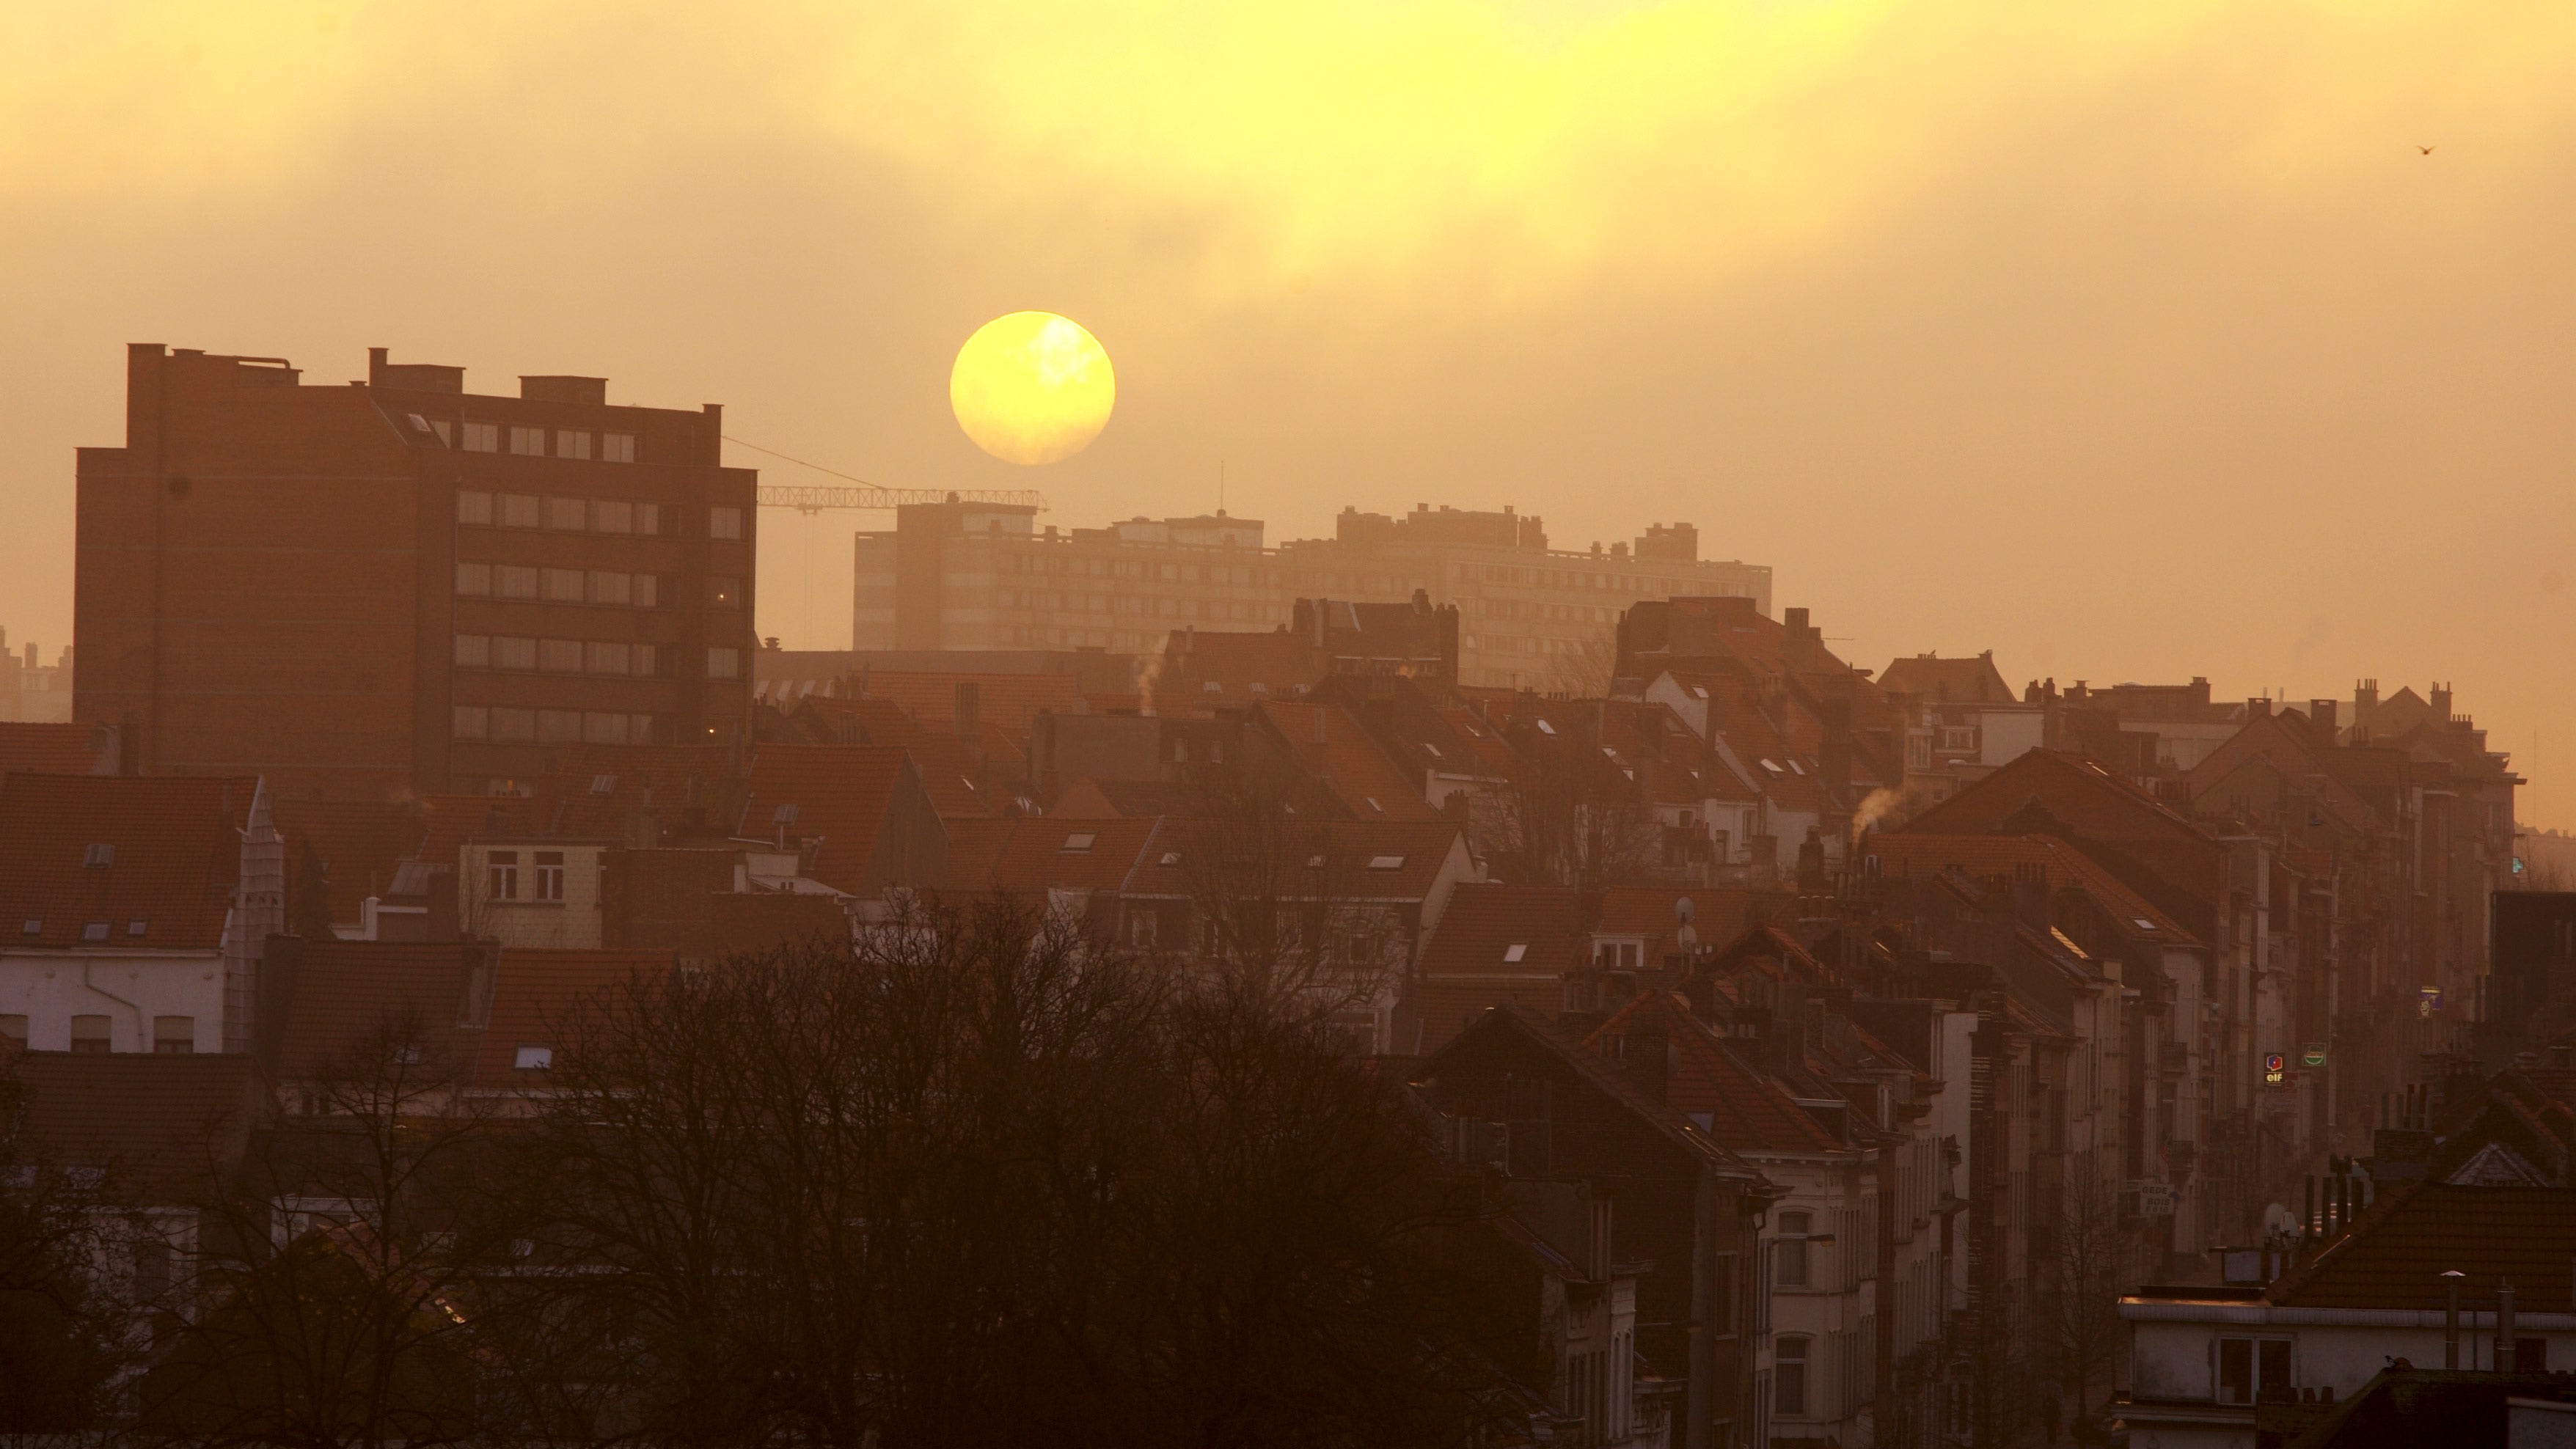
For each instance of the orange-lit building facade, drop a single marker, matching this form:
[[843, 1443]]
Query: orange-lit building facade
[[397, 586]]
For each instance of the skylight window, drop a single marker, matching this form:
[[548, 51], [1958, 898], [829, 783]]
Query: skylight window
[[533, 1058], [1793, 766], [1314, 862], [99, 856], [1698, 692], [1431, 749], [2142, 923], [1171, 858], [603, 784], [1079, 841], [94, 931], [32, 926], [137, 926], [1516, 951], [1773, 767], [1373, 805], [1545, 728], [1386, 862]]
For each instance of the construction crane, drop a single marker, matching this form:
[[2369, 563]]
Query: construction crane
[[810, 500], [815, 500]]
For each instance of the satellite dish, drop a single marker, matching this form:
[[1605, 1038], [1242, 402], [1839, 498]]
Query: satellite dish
[[2280, 1222], [1683, 910]]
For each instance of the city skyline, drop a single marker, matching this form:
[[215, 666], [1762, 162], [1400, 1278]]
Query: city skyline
[[2177, 320]]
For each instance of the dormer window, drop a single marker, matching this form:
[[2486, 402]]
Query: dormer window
[[99, 857]]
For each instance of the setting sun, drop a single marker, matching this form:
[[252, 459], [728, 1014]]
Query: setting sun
[[1032, 387]]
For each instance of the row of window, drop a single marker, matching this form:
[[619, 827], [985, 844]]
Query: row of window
[[565, 515], [560, 586], [504, 724], [531, 442], [563, 656], [171, 1035], [1137, 604], [1138, 569], [582, 515]]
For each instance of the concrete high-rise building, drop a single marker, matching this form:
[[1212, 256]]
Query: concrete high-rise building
[[397, 585], [984, 576]]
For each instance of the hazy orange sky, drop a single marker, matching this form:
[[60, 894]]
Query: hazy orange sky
[[2128, 341]]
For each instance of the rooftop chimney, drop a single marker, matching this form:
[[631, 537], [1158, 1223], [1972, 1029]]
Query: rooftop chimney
[[2321, 713], [2365, 698], [2441, 704]]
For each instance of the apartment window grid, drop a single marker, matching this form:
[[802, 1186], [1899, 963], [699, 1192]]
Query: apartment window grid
[[613, 588], [549, 880], [558, 512], [501, 875], [504, 724]]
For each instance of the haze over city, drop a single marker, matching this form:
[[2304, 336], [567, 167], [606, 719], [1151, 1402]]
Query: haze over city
[[2130, 345], [1353, 724]]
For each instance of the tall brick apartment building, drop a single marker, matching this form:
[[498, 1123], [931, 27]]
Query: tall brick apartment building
[[396, 585]]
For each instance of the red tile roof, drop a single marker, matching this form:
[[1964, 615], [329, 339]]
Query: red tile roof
[[1031, 855], [176, 858], [1972, 680], [1485, 921], [1364, 860], [841, 793], [334, 998], [2395, 1256], [2062, 866], [157, 1122], [1371, 785], [1744, 1109], [48, 749], [540, 993]]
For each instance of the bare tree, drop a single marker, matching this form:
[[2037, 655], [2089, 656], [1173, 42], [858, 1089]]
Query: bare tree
[[63, 1332], [2078, 1298], [1276, 906], [342, 1286], [1566, 815], [974, 1178]]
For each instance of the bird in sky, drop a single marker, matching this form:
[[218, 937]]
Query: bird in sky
[[2424, 150]]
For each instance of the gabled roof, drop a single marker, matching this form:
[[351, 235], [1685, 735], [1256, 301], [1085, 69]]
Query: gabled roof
[[840, 793], [333, 998], [1507, 930], [1970, 680], [538, 993], [1522, 1029], [1386, 860], [1332, 747], [2076, 789], [1742, 1108], [2290, 749], [2395, 1255], [159, 1123], [2059, 866], [1719, 914], [1246, 668], [1031, 855], [49, 749], [171, 859]]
